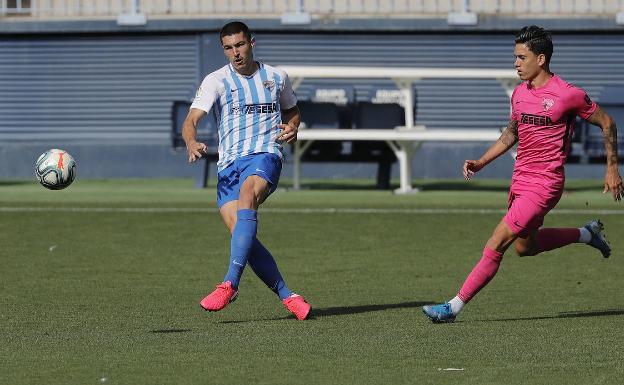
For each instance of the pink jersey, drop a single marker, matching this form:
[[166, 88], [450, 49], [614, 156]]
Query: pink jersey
[[545, 117]]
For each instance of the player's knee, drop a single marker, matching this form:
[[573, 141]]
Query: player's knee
[[245, 201]]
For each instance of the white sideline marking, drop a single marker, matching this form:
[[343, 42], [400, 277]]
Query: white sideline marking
[[289, 210]]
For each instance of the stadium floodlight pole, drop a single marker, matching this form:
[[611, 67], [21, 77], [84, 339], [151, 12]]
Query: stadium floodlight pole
[[299, 16], [133, 18], [463, 17], [134, 7]]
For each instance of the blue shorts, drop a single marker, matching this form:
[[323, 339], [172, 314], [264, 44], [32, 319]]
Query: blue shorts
[[266, 165]]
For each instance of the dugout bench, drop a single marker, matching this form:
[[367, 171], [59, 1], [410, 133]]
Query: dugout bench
[[352, 116]]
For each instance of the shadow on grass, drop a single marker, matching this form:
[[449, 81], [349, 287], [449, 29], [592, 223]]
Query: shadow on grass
[[571, 314], [16, 182], [168, 331], [344, 310]]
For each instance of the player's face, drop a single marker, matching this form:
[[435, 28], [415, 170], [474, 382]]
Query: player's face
[[239, 52], [527, 63]]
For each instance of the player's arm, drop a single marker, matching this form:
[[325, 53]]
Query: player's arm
[[291, 118], [507, 140], [194, 148], [613, 180]]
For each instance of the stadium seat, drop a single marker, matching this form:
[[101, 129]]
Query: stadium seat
[[342, 95], [376, 115], [321, 115]]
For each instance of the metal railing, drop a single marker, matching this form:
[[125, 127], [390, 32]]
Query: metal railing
[[316, 8]]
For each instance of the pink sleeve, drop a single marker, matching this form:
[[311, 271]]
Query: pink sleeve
[[580, 103], [514, 112]]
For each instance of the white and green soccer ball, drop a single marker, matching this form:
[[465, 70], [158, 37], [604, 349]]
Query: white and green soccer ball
[[55, 169]]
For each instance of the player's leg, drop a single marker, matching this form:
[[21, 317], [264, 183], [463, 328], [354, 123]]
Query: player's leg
[[268, 168], [227, 199], [259, 175], [238, 207], [252, 193], [260, 259], [479, 277], [524, 216], [546, 239]]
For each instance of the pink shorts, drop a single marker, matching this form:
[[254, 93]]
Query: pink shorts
[[528, 205]]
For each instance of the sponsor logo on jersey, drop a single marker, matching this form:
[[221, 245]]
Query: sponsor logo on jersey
[[536, 120], [252, 109]]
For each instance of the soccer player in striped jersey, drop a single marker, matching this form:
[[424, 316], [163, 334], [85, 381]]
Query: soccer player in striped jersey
[[543, 110], [257, 111]]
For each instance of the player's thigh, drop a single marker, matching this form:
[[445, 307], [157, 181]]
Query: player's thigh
[[525, 213], [253, 192], [260, 176]]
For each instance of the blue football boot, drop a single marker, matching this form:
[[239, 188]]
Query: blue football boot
[[598, 239], [439, 313]]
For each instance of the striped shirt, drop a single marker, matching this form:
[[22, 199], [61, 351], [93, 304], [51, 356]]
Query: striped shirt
[[248, 109]]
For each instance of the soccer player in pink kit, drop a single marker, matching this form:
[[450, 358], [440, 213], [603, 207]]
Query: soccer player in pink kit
[[543, 110]]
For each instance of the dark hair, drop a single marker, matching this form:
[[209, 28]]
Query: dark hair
[[537, 40], [233, 28]]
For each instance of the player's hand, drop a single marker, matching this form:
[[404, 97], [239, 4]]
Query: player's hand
[[613, 183], [471, 167], [196, 150], [288, 134]]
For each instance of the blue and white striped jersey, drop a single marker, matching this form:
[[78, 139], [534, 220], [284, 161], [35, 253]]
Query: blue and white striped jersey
[[248, 109]]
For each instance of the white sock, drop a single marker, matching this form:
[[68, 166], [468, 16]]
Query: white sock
[[456, 305], [585, 235]]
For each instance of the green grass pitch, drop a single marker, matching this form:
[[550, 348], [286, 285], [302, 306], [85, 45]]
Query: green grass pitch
[[100, 284]]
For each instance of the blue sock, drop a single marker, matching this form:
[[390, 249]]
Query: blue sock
[[243, 238], [263, 264]]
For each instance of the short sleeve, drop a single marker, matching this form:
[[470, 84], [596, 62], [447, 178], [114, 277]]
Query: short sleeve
[[514, 111], [288, 99], [580, 103], [206, 94]]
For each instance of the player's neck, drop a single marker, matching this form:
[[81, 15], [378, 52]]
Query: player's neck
[[250, 70], [541, 79]]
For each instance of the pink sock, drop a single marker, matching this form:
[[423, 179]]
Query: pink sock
[[481, 274], [549, 239]]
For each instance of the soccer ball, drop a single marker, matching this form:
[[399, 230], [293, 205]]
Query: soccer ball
[[55, 169]]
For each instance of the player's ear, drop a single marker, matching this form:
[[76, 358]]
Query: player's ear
[[253, 41], [541, 59]]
